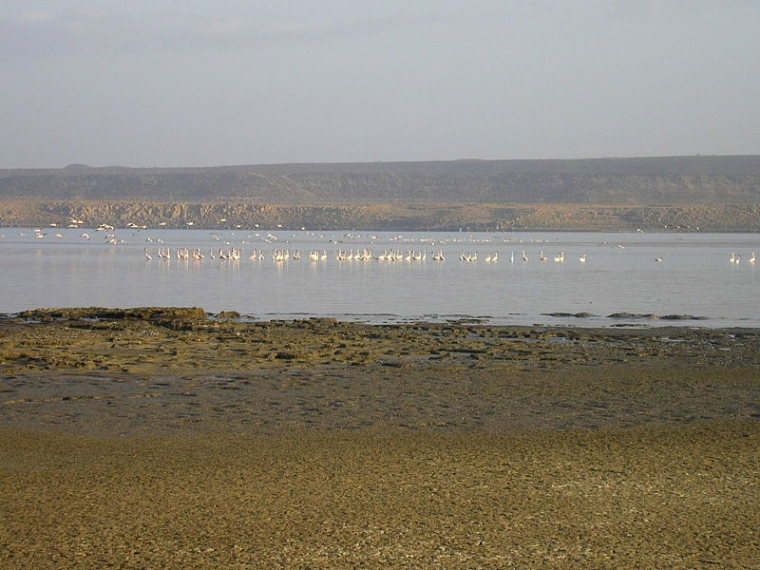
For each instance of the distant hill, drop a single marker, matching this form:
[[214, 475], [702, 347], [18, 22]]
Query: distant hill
[[697, 193], [629, 181]]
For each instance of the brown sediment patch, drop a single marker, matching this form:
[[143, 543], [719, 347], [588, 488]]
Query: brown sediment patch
[[438, 396], [678, 496]]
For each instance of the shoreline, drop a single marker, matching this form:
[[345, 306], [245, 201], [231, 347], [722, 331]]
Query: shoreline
[[129, 371], [158, 437], [583, 321]]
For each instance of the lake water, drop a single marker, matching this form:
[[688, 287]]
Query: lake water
[[635, 273]]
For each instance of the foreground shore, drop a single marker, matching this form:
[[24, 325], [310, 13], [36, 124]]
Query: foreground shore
[[163, 439]]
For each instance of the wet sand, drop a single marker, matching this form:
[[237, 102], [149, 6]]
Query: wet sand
[[175, 440]]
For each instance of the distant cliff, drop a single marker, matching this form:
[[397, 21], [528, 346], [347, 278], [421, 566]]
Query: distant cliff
[[398, 217], [711, 193], [681, 180]]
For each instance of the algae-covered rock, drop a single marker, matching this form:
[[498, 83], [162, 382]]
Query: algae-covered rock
[[177, 313], [228, 315]]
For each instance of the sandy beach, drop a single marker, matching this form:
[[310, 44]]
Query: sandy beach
[[168, 439]]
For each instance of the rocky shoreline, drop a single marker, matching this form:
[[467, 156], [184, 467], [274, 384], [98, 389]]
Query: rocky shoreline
[[160, 437], [162, 370]]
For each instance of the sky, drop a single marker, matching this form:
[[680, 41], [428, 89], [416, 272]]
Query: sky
[[151, 83]]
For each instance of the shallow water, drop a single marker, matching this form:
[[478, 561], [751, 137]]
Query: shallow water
[[695, 277]]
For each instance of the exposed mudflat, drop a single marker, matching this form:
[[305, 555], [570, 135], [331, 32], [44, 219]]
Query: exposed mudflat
[[162, 438]]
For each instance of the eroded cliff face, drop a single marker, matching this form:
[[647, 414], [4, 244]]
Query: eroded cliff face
[[440, 217], [625, 181]]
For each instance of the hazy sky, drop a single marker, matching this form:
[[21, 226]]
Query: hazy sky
[[170, 83]]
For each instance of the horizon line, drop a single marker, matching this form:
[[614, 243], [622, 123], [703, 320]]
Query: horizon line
[[85, 166]]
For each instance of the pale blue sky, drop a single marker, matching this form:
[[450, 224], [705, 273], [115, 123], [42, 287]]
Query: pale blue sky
[[159, 83]]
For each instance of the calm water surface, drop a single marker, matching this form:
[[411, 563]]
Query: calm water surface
[[695, 277]]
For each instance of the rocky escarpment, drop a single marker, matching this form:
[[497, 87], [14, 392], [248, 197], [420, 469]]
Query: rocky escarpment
[[395, 217]]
